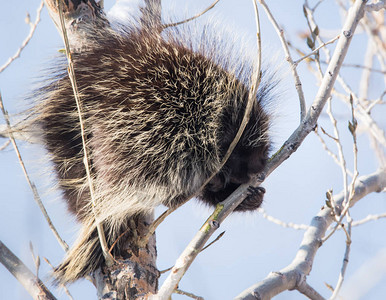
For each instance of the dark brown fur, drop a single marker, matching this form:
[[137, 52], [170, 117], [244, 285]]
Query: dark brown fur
[[159, 117]]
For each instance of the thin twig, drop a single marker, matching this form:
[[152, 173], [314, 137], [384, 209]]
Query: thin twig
[[166, 270], [207, 246], [281, 223], [71, 72], [342, 159], [27, 39], [192, 18], [376, 102], [60, 284], [345, 260], [347, 65], [315, 36], [330, 136], [35, 258], [214, 241], [348, 198], [316, 5], [190, 295], [5, 145], [296, 62], [30, 183], [153, 226], [329, 152], [368, 219], [352, 128], [298, 84]]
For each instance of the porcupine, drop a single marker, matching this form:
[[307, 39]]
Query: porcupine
[[159, 115]]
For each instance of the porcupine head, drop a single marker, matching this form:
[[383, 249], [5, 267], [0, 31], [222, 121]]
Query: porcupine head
[[159, 113]]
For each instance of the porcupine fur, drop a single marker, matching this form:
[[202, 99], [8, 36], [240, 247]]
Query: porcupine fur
[[159, 113]]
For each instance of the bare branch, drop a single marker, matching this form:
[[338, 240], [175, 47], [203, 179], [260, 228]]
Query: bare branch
[[368, 219], [324, 92], [296, 62], [152, 228], [30, 282], [190, 295], [289, 277], [281, 223], [345, 260], [214, 241], [192, 18], [27, 39], [342, 160], [352, 128], [5, 145], [333, 155], [30, 183], [298, 84], [376, 6], [61, 285], [307, 290]]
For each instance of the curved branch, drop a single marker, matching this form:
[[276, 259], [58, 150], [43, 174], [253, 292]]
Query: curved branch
[[298, 84], [17, 268], [32, 186], [289, 277], [191, 18], [27, 39]]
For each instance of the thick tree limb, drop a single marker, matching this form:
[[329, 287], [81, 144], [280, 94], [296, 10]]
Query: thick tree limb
[[289, 277], [31, 283]]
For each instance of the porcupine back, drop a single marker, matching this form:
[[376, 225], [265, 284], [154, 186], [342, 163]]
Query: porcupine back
[[159, 115]]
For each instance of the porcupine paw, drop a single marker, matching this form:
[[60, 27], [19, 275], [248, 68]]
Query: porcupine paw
[[253, 199]]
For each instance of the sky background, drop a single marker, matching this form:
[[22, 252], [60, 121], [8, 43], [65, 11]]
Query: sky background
[[252, 246]]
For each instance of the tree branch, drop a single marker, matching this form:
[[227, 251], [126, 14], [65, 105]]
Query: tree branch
[[32, 185], [34, 286], [191, 18], [27, 39], [289, 277], [298, 84], [376, 6]]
